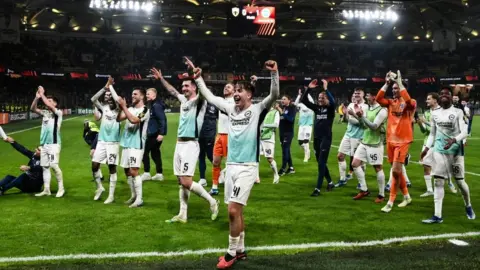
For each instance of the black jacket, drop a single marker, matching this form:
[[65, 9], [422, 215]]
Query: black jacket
[[35, 171], [157, 124]]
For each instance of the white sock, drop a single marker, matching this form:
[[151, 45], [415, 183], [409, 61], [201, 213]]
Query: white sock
[[342, 166], [462, 185], [2, 133], [438, 195], [361, 178], [100, 173], [138, 188], [428, 182], [184, 195], [214, 186], [113, 184], [307, 150], [58, 175], [47, 177], [132, 186], [390, 177], [98, 179], [381, 183], [273, 165], [200, 191], [404, 171], [232, 245], [241, 243]]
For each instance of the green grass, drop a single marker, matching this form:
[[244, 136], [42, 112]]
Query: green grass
[[276, 214]]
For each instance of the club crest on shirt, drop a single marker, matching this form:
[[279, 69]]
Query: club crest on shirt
[[451, 116], [248, 114]]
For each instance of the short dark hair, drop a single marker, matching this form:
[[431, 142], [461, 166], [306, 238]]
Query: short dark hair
[[358, 89], [445, 87], [246, 85], [287, 96], [192, 81], [434, 95], [53, 98]]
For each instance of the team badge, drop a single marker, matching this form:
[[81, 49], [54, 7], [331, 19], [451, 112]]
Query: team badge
[[248, 114], [451, 116], [235, 11]]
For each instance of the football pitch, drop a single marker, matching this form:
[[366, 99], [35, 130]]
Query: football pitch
[[278, 218]]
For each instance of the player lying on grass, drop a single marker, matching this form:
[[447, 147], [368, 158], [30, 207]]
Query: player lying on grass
[[31, 180], [448, 130], [245, 119]]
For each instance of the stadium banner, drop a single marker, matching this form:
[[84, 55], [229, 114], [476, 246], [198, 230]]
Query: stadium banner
[[4, 118], [82, 111], [18, 116], [470, 78], [52, 74], [172, 110], [32, 115], [9, 28], [450, 79], [78, 75], [101, 76]]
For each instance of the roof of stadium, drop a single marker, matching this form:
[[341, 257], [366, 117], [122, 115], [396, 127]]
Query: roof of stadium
[[296, 19]]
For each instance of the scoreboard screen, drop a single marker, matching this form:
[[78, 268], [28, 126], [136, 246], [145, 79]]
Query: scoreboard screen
[[250, 21]]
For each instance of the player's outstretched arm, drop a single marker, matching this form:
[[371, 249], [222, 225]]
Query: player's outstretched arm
[[305, 96], [3, 134], [463, 128], [274, 84], [97, 113], [34, 107], [20, 148], [95, 98], [127, 114], [157, 74], [47, 103]]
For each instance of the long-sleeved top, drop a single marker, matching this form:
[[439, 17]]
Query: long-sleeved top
[[157, 125], [287, 119], [209, 127], [324, 115], [35, 171]]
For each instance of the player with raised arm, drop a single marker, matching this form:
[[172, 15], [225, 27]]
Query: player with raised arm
[[243, 148], [305, 123], [353, 134], [220, 149], [50, 140], [107, 150], [2, 134], [399, 134], [322, 140], [370, 149], [192, 111], [133, 140], [448, 130]]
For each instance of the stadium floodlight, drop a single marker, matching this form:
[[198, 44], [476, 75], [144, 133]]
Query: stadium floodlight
[[146, 6], [387, 15]]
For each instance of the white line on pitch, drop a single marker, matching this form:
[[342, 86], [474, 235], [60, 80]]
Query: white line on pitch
[[27, 129], [221, 250], [416, 162]]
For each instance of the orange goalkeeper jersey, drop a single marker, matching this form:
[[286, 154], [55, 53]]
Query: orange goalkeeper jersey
[[400, 116]]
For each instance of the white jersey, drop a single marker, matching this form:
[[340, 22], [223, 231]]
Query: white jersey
[[223, 118], [447, 124], [109, 127], [244, 126], [134, 135], [191, 117], [305, 114], [354, 128], [51, 123]]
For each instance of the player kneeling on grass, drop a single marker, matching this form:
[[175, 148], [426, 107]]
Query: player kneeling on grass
[[107, 148], [245, 119], [133, 142], [187, 149], [448, 130], [50, 141], [29, 181], [370, 149]]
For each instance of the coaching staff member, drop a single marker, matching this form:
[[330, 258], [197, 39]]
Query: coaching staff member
[[157, 128]]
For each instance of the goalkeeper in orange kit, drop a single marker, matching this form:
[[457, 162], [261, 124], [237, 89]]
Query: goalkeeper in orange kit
[[401, 110]]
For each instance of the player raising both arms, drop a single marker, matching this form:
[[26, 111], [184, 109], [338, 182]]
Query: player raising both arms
[[399, 134], [305, 123], [370, 149], [108, 143], [324, 115], [245, 119], [220, 149], [50, 141], [192, 111], [448, 130]]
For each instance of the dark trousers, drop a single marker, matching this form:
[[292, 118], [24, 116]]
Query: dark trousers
[[22, 182], [286, 141], [206, 150], [321, 147], [470, 126], [152, 146]]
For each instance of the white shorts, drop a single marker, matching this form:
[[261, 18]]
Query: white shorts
[[239, 181], [49, 155], [369, 154], [107, 153], [348, 146], [131, 158], [428, 159], [185, 158], [447, 166], [304, 133], [267, 149]]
